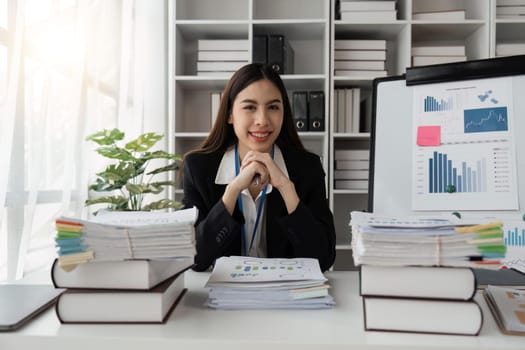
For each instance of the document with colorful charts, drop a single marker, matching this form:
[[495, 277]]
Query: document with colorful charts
[[243, 271], [464, 149], [240, 283], [514, 237]]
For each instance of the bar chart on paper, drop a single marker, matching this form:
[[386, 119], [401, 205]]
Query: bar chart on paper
[[477, 176], [435, 104], [515, 236], [457, 170], [444, 175]]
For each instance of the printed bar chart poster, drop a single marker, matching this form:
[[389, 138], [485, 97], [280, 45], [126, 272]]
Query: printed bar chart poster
[[464, 156]]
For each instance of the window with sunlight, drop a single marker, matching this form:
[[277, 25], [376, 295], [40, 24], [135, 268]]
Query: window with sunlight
[[64, 68]]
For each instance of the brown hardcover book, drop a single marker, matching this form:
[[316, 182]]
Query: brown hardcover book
[[121, 305]]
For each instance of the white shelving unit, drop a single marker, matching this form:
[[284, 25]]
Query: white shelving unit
[[304, 24], [506, 30], [401, 35], [310, 26]]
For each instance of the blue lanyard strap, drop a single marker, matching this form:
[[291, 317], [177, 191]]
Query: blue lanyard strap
[[239, 202]]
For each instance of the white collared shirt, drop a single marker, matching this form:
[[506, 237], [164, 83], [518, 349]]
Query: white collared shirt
[[225, 175]]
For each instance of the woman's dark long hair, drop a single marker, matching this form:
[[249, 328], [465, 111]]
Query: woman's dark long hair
[[222, 134]]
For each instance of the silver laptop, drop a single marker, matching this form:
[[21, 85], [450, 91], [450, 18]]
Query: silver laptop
[[19, 303]]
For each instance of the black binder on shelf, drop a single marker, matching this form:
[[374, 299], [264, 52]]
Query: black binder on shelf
[[435, 123], [300, 110], [280, 54], [260, 49], [316, 111]]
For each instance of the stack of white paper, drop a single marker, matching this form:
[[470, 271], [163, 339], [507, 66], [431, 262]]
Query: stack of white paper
[[259, 283], [437, 241], [126, 235]]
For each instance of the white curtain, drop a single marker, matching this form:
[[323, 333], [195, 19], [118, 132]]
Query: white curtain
[[67, 69]]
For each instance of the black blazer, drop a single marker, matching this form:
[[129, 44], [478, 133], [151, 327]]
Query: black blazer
[[308, 232]]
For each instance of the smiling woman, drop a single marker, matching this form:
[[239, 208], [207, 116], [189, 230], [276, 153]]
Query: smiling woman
[[286, 213], [70, 68]]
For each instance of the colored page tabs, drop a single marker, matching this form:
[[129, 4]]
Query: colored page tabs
[[429, 135]]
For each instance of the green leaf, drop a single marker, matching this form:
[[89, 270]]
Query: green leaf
[[117, 202], [115, 152], [114, 177], [101, 185], [144, 142], [170, 167], [163, 183], [163, 204], [160, 155], [136, 189], [106, 137]]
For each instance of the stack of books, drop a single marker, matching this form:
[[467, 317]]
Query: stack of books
[[215, 102], [118, 235], [347, 104], [131, 291], [510, 9], [510, 48], [440, 15], [221, 57], [420, 299], [122, 267], [363, 59], [416, 272], [351, 169], [260, 283], [369, 11], [423, 55]]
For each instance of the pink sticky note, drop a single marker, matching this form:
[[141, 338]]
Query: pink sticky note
[[429, 135]]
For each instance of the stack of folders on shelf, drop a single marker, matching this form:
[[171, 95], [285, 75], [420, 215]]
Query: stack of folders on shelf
[[510, 9], [263, 283], [221, 57], [130, 291], [118, 235], [370, 11], [308, 110], [274, 50], [360, 59], [440, 15], [351, 169], [416, 273], [508, 308], [436, 53]]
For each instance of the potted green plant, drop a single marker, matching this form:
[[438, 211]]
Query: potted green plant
[[127, 176]]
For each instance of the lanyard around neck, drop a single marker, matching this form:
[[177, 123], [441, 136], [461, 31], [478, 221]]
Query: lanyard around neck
[[239, 202]]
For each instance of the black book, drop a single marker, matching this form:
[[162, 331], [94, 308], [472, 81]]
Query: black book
[[260, 49], [300, 110], [316, 111]]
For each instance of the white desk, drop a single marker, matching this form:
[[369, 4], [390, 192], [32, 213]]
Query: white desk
[[193, 326]]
